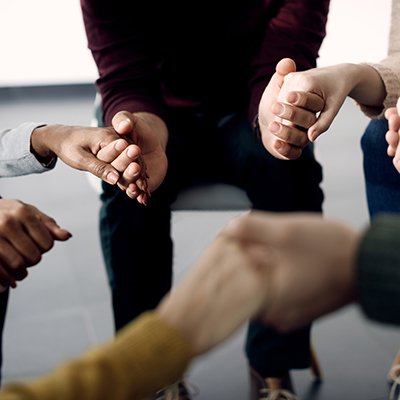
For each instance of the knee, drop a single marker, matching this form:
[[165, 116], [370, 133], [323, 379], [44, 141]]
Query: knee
[[373, 140]]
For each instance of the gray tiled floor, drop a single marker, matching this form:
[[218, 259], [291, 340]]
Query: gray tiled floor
[[64, 305]]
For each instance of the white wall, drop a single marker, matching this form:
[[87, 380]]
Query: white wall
[[43, 41]]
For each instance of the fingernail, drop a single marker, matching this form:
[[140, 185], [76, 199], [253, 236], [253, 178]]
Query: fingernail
[[123, 125], [120, 145], [292, 98], [112, 178], [278, 145], [132, 152], [274, 127], [277, 109]]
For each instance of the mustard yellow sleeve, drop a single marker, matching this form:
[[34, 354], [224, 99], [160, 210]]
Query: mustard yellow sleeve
[[145, 356]]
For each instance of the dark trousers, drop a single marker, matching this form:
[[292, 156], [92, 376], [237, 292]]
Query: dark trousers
[[382, 181], [3, 312], [136, 240]]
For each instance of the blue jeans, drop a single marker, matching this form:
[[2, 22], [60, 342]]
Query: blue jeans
[[382, 181], [136, 240]]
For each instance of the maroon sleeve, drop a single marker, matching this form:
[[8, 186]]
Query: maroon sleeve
[[295, 31], [126, 53]]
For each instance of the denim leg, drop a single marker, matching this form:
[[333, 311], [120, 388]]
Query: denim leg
[[3, 310], [272, 185], [382, 181]]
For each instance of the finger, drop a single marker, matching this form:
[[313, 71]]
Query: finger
[[6, 279], [396, 159], [324, 120], [110, 152], [133, 191], [392, 138], [56, 232], [290, 134], [394, 122], [130, 175], [296, 115], [390, 111], [306, 100], [123, 122], [286, 150], [285, 67], [10, 258], [125, 159]]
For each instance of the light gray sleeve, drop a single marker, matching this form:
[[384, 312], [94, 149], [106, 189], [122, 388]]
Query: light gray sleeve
[[15, 155]]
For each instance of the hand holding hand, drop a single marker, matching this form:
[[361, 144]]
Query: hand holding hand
[[149, 135], [25, 234], [310, 263], [78, 147]]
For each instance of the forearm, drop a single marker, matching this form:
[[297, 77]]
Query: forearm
[[368, 88], [146, 356]]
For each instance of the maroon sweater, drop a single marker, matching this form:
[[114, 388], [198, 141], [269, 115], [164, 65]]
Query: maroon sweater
[[218, 54]]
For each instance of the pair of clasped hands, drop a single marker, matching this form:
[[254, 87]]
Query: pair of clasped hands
[[119, 155], [297, 107]]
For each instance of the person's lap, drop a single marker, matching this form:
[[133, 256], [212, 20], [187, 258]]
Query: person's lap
[[136, 242]]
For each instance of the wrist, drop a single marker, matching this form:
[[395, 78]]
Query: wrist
[[40, 139]]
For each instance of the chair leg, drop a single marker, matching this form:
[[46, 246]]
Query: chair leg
[[396, 361], [314, 363]]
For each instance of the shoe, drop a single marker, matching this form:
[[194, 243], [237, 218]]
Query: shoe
[[271, 388], [394, 376], [177, 391]]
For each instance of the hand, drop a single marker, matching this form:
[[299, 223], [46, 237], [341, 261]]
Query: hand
[[311, 264], [25, 234], [303, 94], [150, 135], [223, 289], [78, 147], [392, 135]]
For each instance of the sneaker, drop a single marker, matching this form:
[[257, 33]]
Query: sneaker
[[271, 388], [180, 390]]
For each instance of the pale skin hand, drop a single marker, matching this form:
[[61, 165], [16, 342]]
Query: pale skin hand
[[77, 147], [311, 264], [392, 135], [25, 234], [150, 135], [223, 289], [320, 89]]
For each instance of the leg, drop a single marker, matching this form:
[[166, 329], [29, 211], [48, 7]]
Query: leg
[[3, 311], [273, 185], [382, 181]]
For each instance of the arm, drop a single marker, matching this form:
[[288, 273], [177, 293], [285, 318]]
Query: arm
[[224, 288]]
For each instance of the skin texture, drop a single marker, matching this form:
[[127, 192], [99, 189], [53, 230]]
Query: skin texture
[[224, 288], [311, 263], [303, 94], [149, 133], [25, 234]]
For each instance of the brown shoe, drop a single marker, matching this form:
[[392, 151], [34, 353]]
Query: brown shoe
[[176, 391], [271, 388]]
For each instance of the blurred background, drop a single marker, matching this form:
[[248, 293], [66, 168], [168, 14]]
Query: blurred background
[[47, 74]]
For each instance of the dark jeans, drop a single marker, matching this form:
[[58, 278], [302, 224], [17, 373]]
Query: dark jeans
[[382, 181], [3, 311], [136, 240]]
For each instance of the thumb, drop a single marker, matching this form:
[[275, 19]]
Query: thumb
[[57, 232], [123, 122], [283, 68]]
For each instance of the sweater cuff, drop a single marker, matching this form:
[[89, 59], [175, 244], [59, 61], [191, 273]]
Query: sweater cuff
[[378, 274]]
